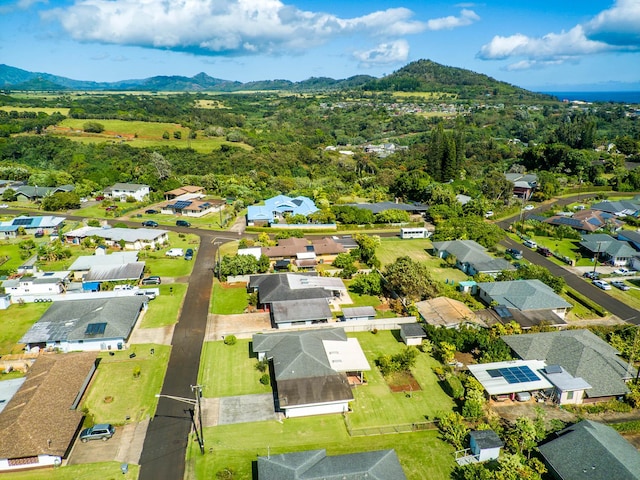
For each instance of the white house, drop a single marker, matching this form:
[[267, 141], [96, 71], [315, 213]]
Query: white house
[[86, 325], [133, 238], [41, 283], [121, 191]]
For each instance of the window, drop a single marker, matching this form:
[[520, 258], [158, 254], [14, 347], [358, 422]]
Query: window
[[570, 395]]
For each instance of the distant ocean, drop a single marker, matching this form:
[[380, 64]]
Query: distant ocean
[[619, 97]]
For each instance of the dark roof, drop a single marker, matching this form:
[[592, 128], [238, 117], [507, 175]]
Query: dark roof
[[301, 310], [486, 439], [42, 417], [275, 288], [593, 451], [316, 465], [413, 330], [367, 311], [382, 206], [68, 320], [114, 273], [581, 353]]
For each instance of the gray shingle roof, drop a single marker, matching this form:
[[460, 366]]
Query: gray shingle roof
[[111, 273], [68, 321], [301, 310], [471, 252], [524, 294], [581, 353], [593, 451], [316, 465], [85, 262]]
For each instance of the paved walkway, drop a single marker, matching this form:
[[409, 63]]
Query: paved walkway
[[243, 325], [239, 409]]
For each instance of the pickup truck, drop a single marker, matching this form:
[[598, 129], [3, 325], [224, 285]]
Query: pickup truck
[[175, 252]]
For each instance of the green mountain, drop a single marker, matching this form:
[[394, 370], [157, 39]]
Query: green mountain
[[419, 76]]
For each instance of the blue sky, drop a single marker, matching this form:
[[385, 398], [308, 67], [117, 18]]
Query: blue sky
[[537, 44]]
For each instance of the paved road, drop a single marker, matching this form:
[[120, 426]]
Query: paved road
[[163, 453], [611, 304]]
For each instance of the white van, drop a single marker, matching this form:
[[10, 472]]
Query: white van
[[175, 252], [530, 244], [122, 288]]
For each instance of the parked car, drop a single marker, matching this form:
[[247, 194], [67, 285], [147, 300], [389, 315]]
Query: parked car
[[101, 431], [515, 254], [123, 288], [530, 244], [591, 275], [151, 211], [152, 280], [175, 252], [188, 255], [545, 252], [111, 208], [4, 205], [622, 271], [529, 207], [601, 284], [182, 223], [488, 214], [523, 396], [149, 223], [100, 198], [147, 293], [621, 285]]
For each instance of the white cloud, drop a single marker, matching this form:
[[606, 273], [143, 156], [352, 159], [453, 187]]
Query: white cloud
[[20, 5], [613, 30], [467, 17], [385, 53], [214, 27]]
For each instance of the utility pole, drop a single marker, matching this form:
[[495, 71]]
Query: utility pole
[[197, 390]]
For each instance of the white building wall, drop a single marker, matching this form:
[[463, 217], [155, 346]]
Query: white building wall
[[316, 410], [28, 288], [96, 345], [489, 454], [576, 400], [43, 461]]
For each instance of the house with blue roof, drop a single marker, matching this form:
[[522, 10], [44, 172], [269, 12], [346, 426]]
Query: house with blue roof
[[276, 209], [43, 224]]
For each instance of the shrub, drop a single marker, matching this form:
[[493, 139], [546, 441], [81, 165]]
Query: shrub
[[136, 371], [262, 366], [230, 340], [264, 379], [453, 386]]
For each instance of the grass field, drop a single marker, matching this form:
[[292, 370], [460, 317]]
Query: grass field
[[132, 397], [227, 370], [47, 110], [87, 471], [228, 300], [11, 252], [423, 455], [139, 134], [164, 309], [16, 320]]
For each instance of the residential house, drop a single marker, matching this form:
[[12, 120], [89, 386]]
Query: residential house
[[414, 209], [620, 208], [192, 208], [121, 191], [45, 225], [276, 208], [40, 423], [185, 192], [358, 313], [524, 184], [471, 257], [86, 325], [502, 379], [303, 254], [588, 221], [605, 248], [39, 284], [84, 263], [313, 370], [630, 236], [130, 238], [525, 318], [580, 353], [28, 193], [523, 295], [122, 272], [447, 313], [316, 465], [298, 299], [590, 450]]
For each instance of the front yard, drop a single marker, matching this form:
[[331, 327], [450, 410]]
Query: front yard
[[116, 393], [164, 309], [228, 299], [16, 320]]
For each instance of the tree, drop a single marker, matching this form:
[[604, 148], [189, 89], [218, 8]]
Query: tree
[[367, 284], [9, 195], [453, 429], [366, 250], [93, 127], [495, 186], [474, 401], [411, 279]]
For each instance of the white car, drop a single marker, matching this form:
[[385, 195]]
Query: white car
[[529, 207], [4, 205], [601, 284], [488, 214], [175, 252], [622, 271]]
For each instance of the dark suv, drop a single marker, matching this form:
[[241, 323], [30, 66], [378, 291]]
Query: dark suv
[[101, 431], [182, 223], [545, 252], [152, 280]]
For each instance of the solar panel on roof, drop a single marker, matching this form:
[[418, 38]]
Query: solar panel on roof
[[181, 204], [502, 311], [521, 374], [22, 221], [95, 329]]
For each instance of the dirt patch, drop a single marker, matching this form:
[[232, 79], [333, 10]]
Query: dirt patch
[[403, 382]]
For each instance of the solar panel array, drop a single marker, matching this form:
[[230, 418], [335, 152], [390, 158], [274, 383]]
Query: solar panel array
[[95, 329], [180, 204], [23, 221], [521, 374]]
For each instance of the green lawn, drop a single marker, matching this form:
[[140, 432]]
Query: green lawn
[[16, 320], [157, 263], [423, 455], [87, 471], [227, 370], [11, 252], [133, 397], [211, 220], [164, 309], [376, 405], [228, 300]]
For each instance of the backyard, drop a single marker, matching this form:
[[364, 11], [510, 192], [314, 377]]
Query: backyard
[[16, 320], [124, 388]]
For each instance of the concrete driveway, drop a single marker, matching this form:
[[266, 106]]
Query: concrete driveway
[[238, 409], [243, 325]]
